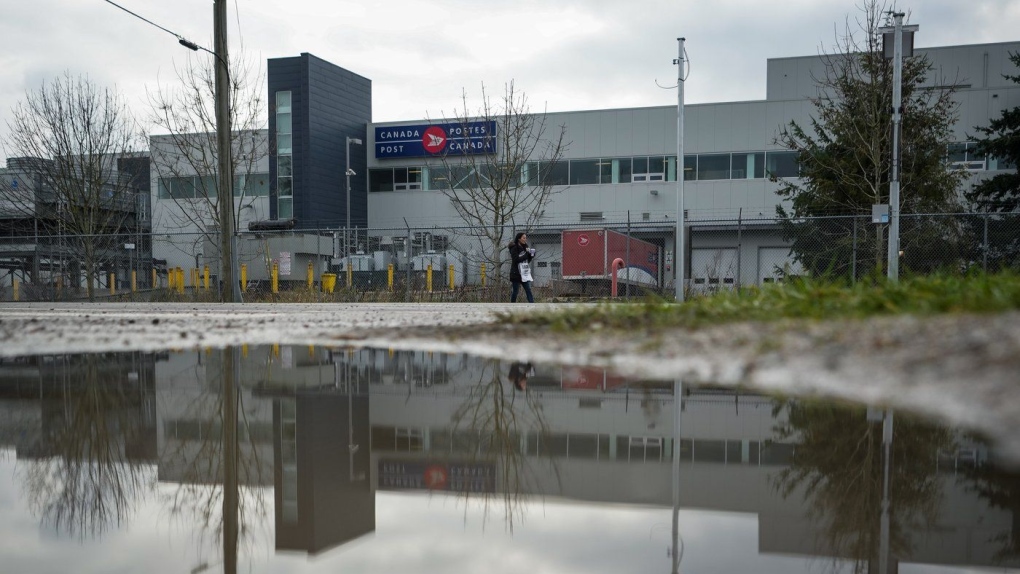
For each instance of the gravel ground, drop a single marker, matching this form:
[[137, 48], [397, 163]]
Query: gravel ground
[[964, 368]]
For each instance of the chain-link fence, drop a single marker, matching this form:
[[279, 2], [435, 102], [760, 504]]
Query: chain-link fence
[[584, 260]]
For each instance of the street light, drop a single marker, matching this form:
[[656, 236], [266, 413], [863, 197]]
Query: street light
[[898, 41], [348, 173]]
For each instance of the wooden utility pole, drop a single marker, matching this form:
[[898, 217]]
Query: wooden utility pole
[[229, 287]]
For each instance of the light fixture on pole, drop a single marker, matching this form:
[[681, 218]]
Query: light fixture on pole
[[897, 42], [348, 172]]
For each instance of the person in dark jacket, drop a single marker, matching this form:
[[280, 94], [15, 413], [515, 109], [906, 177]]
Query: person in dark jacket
[[520, 253], [519, 373]]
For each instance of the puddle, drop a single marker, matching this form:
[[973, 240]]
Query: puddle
[[308, 459]]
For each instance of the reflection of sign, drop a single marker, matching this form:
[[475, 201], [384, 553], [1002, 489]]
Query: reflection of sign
[[129, 246], [422, 140], [285, 263], [582, 240], [431, 475]]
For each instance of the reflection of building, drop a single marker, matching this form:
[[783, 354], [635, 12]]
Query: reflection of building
[[323, 495], [329, 429]]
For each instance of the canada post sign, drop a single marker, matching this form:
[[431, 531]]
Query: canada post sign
[[427, 140]]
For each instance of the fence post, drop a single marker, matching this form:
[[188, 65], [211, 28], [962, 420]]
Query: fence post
[[853, 262], [740, 229], [627, 265], [408, 252], [984, 257]]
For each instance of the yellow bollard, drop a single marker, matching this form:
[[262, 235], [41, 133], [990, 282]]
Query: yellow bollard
[[244, 350], [14, 287], [428, 278], [276, 349], [450, 277], [60, 285], [134, 281], [154, 279], [389, 276], [350, 275], [311, 276], [205, 277], [113, 284], [311, 351], [180, 280], [244, 278], [276, 278], [328, 282], [483, 275]]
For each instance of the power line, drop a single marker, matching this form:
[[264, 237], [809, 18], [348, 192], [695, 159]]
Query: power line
[[181, 39]]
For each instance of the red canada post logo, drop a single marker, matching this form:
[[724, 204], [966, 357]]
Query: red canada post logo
[[434, 139], [582, 240], [435, 477]]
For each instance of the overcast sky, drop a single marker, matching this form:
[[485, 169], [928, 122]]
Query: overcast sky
[[420, 55]]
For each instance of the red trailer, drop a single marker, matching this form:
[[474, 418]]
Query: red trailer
[[589, 254]]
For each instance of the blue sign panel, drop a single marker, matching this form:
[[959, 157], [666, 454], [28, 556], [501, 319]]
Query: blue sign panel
[[435, 140]]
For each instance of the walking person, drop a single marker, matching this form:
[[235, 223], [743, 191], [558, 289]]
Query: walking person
[[520, 266]]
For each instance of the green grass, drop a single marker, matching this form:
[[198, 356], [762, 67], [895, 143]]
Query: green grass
[[798, 299]]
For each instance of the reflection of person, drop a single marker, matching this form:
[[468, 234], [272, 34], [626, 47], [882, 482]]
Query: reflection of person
[[520, 266], [519, 373]]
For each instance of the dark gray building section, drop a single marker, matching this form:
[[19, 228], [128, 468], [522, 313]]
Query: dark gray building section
[[329, 105]]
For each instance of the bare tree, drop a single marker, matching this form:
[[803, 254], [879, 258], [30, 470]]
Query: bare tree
[[186, 158], [508, 187], [70, 136]]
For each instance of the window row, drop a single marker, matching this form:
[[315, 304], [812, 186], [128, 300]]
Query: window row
[[700, 167], [191, 187]]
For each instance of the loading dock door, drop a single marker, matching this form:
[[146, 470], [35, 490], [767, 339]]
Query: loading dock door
[[713, 269], [775, 263]]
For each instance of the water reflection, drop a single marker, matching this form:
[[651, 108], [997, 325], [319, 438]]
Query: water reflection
[[307, 450]]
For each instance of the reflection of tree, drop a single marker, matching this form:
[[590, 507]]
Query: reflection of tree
[[83, 482], [490, 427], [222, 467], [1001, 488], [838, 468]]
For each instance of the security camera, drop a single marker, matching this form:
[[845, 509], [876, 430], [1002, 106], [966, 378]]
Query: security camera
[[350, 172]]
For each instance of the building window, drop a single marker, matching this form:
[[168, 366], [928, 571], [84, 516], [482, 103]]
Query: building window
[[781, 164], [555, 173], [649, 169], [748, 166], [584, 171], [713, 166], [251, 185], [284, 158], [964, 155]]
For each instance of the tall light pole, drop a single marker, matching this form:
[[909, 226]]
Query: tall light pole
[[895, 36], [679, 260], [348, 173]]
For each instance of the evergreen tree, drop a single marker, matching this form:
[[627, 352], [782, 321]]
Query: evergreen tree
[[845, 159]]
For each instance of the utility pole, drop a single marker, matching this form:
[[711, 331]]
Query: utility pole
[[895, 36], [679, 259], [230, 290]]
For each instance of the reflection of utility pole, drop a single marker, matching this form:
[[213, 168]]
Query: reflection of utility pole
[[230, 369], [887, 434], [677, 550]]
